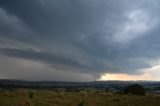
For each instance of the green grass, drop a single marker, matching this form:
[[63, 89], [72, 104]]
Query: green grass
[[51, 98]]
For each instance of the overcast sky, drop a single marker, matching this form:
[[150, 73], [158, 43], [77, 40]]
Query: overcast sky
[[79, 40]]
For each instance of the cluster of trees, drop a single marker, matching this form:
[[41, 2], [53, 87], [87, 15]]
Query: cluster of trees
[[135, 89]]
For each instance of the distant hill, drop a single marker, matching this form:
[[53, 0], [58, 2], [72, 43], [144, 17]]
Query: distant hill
[[6, 83]]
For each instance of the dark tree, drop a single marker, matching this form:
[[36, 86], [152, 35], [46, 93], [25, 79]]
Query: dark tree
[[135, 89]]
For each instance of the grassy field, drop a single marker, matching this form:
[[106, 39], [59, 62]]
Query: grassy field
[[52, 98]]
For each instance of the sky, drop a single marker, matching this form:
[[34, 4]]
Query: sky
[[80, 40]]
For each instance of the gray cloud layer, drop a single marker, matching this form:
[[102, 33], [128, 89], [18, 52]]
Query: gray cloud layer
[[85, 37]]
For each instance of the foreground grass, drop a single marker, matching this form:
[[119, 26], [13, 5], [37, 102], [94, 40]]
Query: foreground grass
[[51, 98]]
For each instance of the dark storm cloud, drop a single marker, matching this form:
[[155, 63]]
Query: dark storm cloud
[[55, 60], [86, 36], [40, 56]]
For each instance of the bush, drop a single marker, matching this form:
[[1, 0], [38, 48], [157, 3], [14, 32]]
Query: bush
[[30, 94], [81, 103], [135, 89], [115, 100]]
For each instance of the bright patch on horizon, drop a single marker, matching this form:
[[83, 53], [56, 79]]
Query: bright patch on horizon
[[122, 76], [147, 74]]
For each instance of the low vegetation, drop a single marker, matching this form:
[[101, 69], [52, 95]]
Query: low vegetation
[[83, 97]]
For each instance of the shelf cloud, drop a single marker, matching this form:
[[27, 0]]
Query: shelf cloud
[[78, 40]]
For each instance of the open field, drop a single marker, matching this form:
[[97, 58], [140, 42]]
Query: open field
[[26, 97]]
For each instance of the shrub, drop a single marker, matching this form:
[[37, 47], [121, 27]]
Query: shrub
[[135, 89], [81, 103], [116, 99], [30, 94]]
